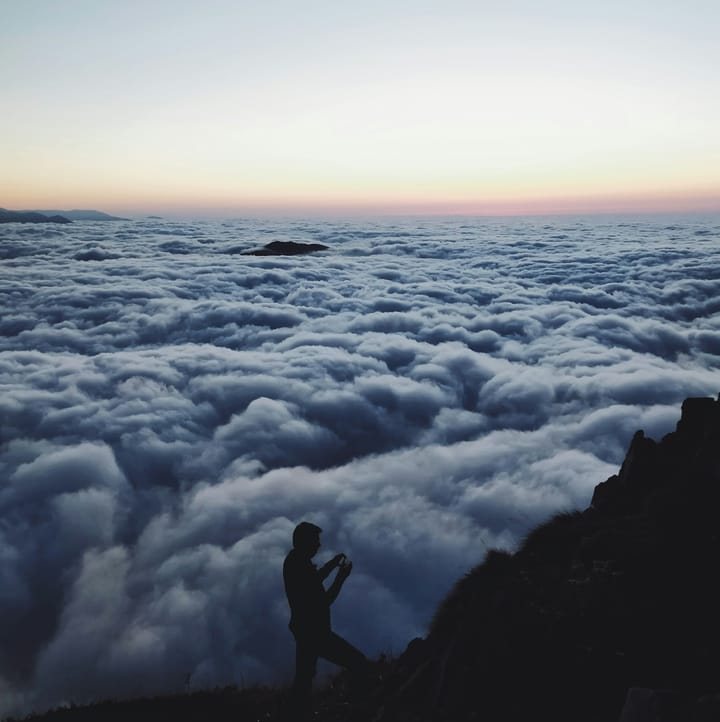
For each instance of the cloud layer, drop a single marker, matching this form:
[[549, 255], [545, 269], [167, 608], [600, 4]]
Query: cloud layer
[[424, 390]]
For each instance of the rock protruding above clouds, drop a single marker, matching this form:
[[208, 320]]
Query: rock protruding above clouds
[[650, 468], [286, 248]]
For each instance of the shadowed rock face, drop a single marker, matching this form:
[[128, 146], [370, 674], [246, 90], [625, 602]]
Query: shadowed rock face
[[286, 248], [621, 595], [650, 467]]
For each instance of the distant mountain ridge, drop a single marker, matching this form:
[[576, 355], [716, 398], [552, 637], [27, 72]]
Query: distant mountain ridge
[[34, 216], [81, 215], [7, 216]]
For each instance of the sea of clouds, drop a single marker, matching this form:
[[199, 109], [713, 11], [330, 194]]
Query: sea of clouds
[[423, 390]]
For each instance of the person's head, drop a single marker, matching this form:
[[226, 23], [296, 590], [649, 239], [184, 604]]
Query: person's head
[[306, 538]]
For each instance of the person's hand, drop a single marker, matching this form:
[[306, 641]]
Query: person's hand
[[344, 571], [337, 560]]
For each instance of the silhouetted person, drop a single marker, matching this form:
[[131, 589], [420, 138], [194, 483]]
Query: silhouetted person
[[310, 613]]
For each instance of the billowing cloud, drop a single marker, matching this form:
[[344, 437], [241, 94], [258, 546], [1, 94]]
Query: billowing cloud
[[423, 390]]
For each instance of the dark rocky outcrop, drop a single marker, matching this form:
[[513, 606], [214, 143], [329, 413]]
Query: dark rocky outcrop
[[622, 595], [286, 248], [30, 217]]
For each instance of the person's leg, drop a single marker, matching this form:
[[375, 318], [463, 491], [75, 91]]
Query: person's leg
[[306, 654], [339, 651]]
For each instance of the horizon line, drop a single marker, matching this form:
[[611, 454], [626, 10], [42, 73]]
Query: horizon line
[[586, 205]]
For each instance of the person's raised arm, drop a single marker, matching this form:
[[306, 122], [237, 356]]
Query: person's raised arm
[[342, 575], [325, 569]]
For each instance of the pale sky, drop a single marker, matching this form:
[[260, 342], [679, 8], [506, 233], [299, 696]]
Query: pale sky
[[222, 106]]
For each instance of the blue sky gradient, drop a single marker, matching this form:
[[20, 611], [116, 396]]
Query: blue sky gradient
[[404, 107]]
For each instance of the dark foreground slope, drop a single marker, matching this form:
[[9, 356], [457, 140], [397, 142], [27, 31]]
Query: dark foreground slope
[[624, 594]]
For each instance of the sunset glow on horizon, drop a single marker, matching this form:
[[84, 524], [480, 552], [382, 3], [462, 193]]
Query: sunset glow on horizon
[[226, 108]]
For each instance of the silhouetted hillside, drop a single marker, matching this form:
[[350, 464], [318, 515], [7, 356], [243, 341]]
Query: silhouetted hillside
[[7, 216], [621, 595], [34, 216], [82, 215]]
